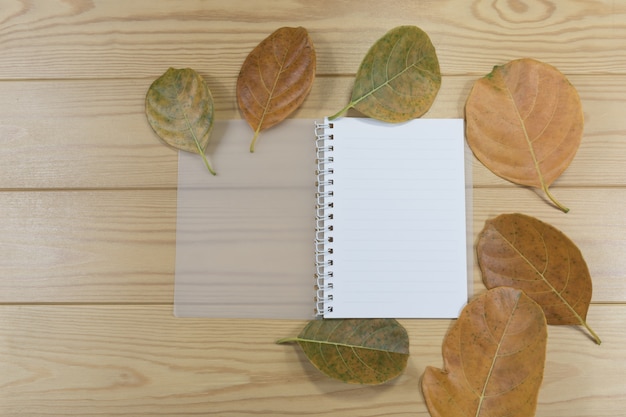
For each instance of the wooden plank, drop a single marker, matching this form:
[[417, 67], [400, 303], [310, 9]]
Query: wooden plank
[[118, 246], [113, 39], [86, 134], [596, 229], [140, 361], [87, 246]]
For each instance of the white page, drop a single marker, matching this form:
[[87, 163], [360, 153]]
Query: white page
[[399, 219]]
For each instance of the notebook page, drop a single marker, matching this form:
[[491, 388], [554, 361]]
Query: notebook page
[[399, 228]]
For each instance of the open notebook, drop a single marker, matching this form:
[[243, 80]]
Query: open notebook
[[391, 221], [381, 233]]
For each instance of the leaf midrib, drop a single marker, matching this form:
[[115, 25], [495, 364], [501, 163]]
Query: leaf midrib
[[528, 141], [386, 83], [495, 358], [541, 274], [346, 345]]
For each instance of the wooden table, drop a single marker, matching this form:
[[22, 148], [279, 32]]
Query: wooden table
[[88, 202]]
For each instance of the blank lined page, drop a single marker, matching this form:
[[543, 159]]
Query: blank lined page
[[399, 219]]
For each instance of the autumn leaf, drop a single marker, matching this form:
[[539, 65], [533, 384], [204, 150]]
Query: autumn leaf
[[399, 77], [520, 251], [494, 357], [524, 121], [179, 108], [358, 351], [275, 78]]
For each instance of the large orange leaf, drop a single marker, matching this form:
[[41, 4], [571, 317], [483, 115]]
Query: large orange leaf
[[494, 357], [357, 351], [525, 123], [520, 251], [275, 78]]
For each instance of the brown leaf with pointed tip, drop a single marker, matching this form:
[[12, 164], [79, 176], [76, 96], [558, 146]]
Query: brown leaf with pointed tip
[[275, 78], [356, 351], [494, 357], [524, 121], [520, 251]]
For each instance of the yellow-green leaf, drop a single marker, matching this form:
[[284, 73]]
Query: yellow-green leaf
[[179, 108], [358, 351], [399, 77], [275, 78]]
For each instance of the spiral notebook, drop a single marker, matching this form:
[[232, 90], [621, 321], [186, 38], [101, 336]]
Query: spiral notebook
[[389, 228], [391, 219]]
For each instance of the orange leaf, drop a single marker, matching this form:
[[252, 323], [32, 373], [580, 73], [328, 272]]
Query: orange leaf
[[494, 357], [275, 78], [525, 122], [520, 251]]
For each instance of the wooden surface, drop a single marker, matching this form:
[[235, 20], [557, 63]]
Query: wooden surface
[[88, 202]]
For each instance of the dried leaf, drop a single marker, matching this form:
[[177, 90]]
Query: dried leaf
[[275, 78], [399, 77], [179, 107], [494, 357], [524, 121], [520, 251], [358, 351]]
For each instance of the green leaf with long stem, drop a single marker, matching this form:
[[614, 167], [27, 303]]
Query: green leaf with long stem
[[358, 351], [399, 77]]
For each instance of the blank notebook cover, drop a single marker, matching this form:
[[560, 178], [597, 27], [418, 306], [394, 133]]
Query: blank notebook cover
[[246, 238], [391, 219]]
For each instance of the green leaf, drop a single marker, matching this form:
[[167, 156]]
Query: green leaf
[[179, 108], [356, 351], [399, 77]]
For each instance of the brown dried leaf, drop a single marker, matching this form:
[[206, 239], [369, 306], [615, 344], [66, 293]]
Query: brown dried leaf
[[494, 358], [524, 121], [357, 351], [275, 78], [520, 251]]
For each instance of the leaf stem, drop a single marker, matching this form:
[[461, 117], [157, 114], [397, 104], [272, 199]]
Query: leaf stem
[[200, 150], [340, 112], [553, 199], [596, 338], [254, 138], [287, 340]]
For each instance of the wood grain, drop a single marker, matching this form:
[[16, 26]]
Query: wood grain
[[118, 246], [111, 361], [88, 201], [94, 133], [113, 39], [88, 246]]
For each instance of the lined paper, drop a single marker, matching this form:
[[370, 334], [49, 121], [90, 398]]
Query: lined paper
[[399, 219]]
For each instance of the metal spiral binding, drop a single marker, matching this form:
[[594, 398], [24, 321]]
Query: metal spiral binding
[[324, 219]]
